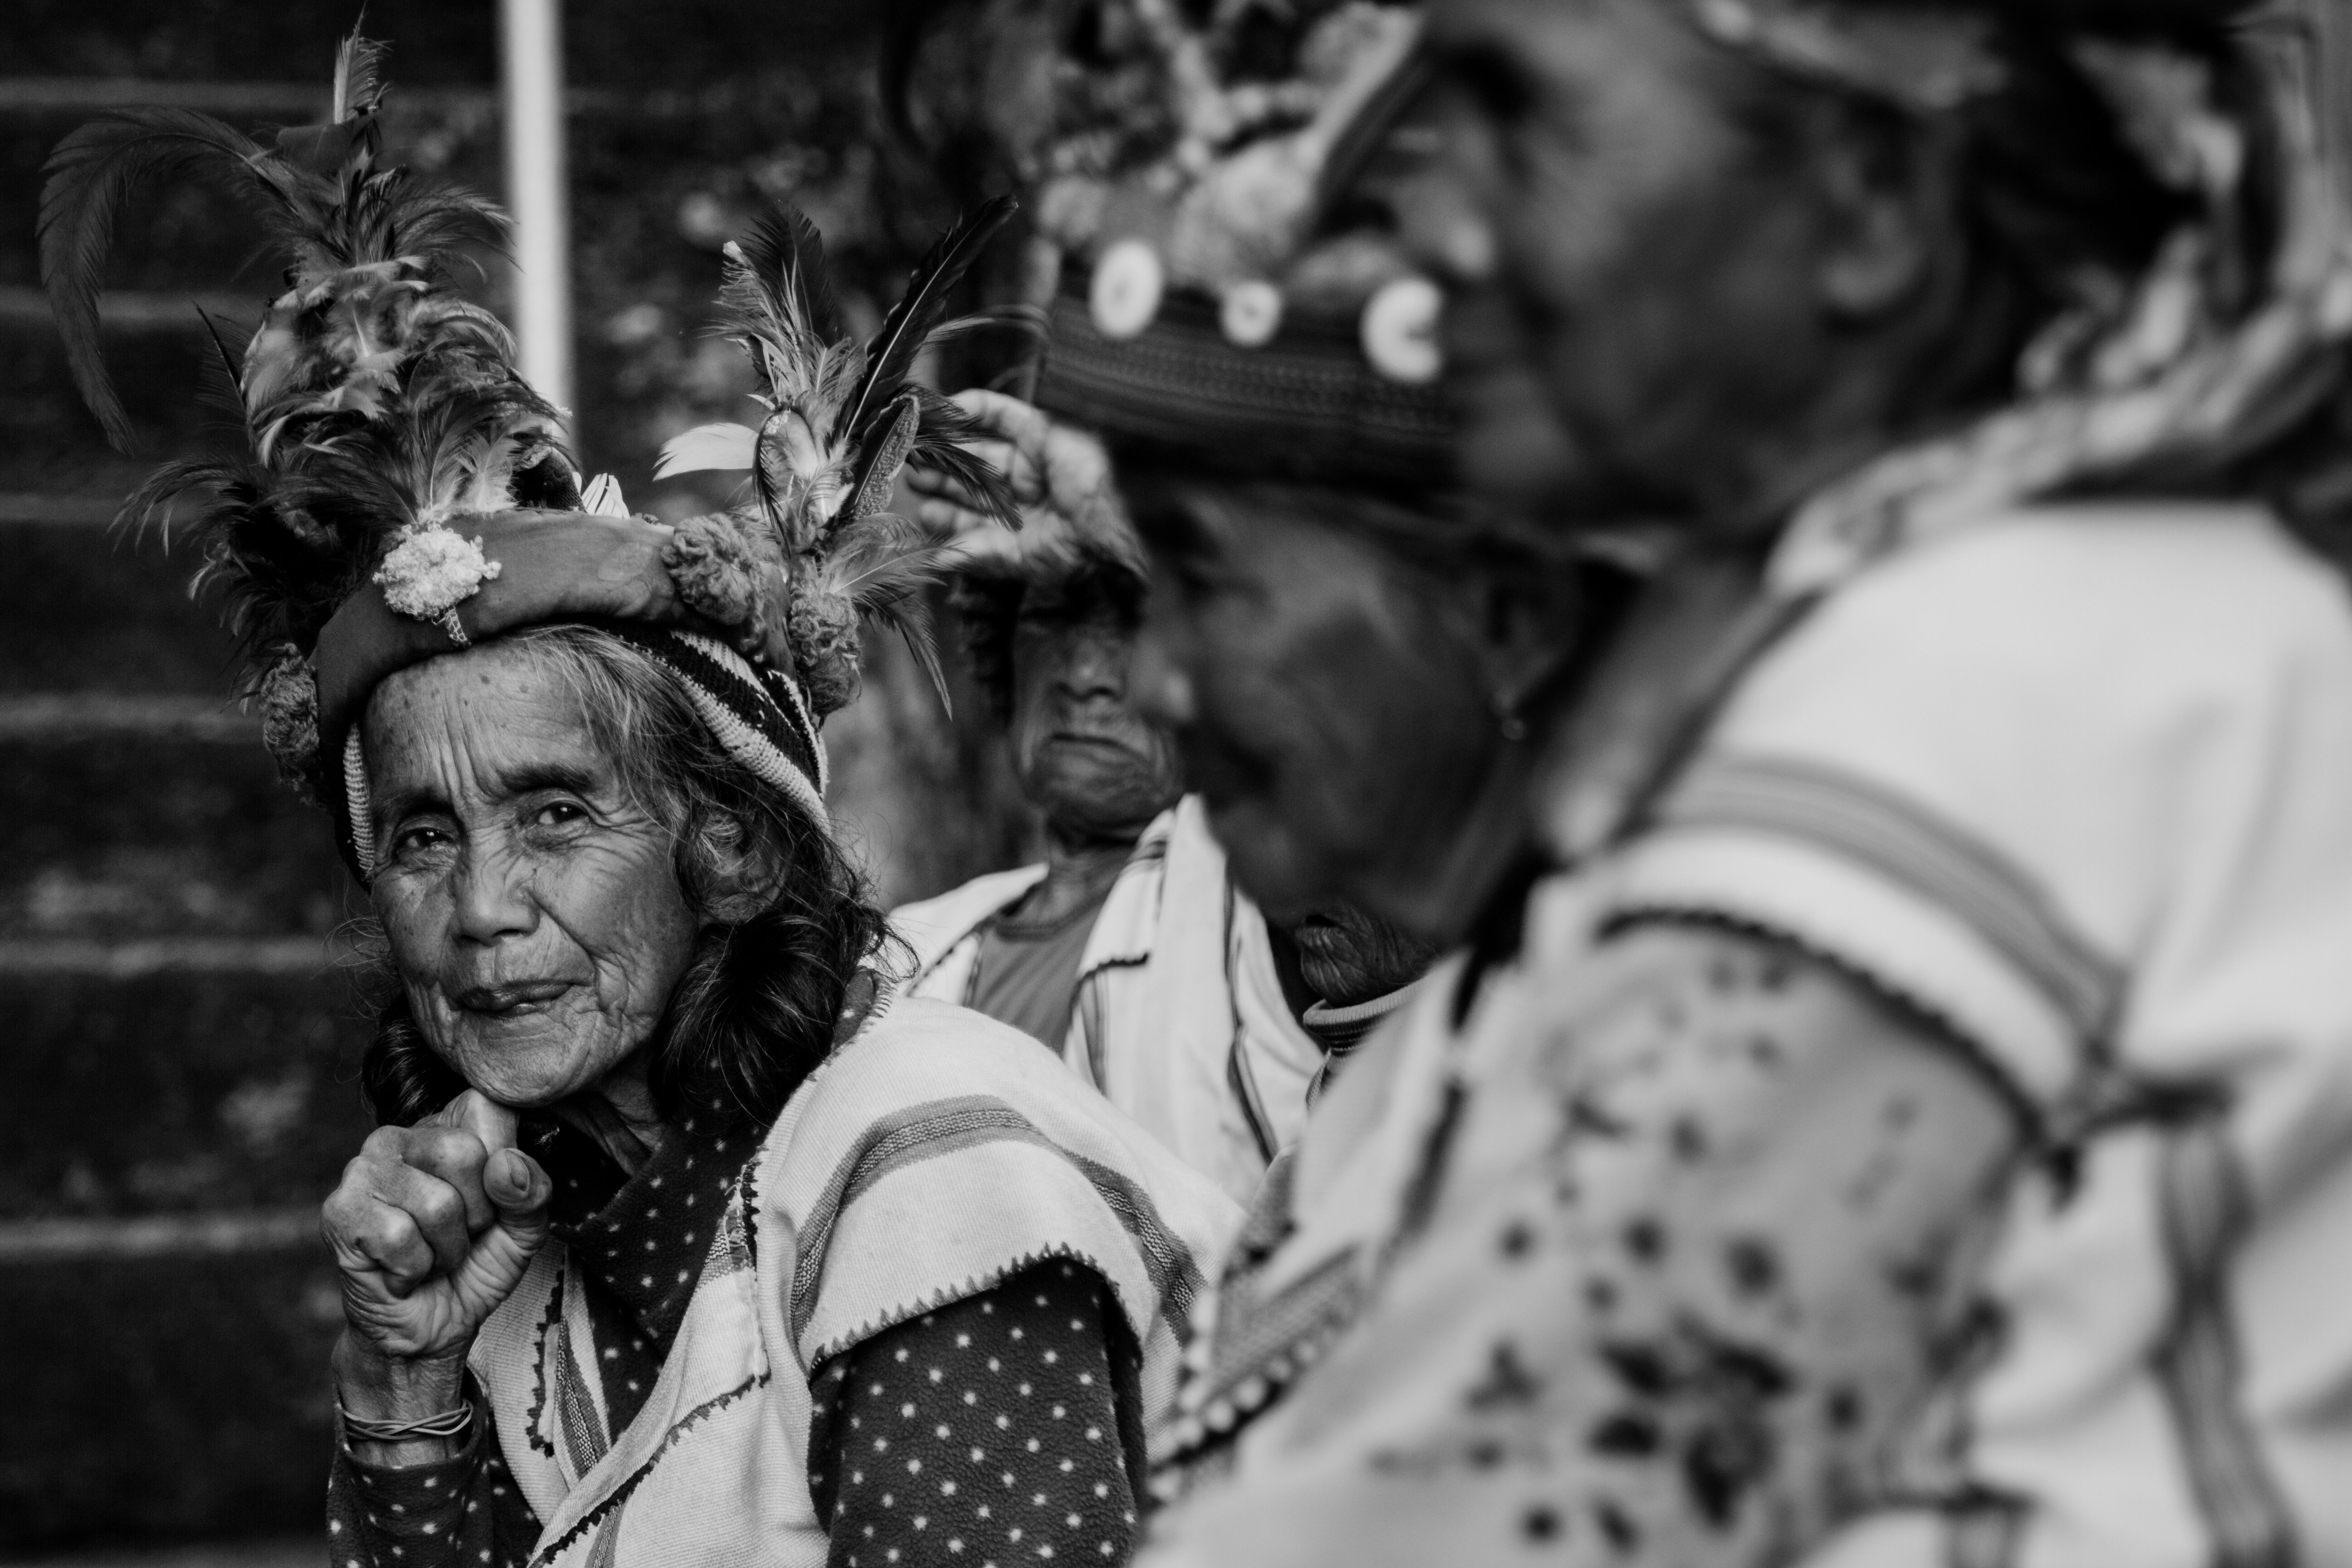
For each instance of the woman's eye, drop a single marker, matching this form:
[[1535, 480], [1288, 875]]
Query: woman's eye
[[411, 841], [558, 813]]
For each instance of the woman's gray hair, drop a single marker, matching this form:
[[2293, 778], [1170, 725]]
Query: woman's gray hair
[[672, 768], [786, 921]]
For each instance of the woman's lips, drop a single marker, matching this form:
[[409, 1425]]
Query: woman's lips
[[512, 996]]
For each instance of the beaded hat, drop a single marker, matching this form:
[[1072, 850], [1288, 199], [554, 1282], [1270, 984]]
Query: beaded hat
[[1214, 297], [402, 493]]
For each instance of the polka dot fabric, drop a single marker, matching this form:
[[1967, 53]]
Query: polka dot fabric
[[642, 1245], [1003, 1429], [463, 1512], [641, 1241]]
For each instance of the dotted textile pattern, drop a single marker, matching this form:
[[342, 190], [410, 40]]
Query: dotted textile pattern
[[640, 1241], [1005, 1428], [1050, 1345]]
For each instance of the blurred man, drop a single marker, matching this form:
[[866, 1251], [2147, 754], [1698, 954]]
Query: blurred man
[[1129, 948]]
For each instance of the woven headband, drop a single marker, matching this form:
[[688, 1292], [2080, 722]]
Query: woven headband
[[508, 572]]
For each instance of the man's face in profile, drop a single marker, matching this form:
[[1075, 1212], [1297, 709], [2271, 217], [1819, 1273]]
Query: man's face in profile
[[1623, 261]]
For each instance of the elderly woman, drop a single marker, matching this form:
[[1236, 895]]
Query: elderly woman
[[1915, 1127], [685, 1238]]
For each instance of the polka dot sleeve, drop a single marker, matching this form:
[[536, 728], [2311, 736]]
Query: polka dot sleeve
[[1002, 1429], [464, 1511]]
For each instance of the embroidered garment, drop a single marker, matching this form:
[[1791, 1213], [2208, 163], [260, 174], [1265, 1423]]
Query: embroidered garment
[[1179, 1016], [1047, 1346], [931, 1159], [2071, 782], [1055, 1350], [2079, 782]]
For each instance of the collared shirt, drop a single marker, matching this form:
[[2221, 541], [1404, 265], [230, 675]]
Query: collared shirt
[[1177, 1014]]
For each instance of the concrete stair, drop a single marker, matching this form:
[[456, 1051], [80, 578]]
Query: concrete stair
[[182, 1029], [177, 1083]]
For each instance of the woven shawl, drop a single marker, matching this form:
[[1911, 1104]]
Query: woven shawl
[[933, 1157]]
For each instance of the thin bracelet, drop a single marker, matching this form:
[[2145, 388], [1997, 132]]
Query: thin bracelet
[[448, 1423]]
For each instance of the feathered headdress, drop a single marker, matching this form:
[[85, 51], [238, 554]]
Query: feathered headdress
[[378, 410], [840, 420], [376, 403], [1232, 288]]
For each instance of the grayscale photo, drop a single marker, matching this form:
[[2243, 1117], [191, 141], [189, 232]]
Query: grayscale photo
[[1211, 783]]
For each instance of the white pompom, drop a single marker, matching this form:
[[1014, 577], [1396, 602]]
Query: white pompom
[[1251, 313], [1125, 295], [1400, 330]]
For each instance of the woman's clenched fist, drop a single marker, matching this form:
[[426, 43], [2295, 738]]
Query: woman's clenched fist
[[433, 1226]]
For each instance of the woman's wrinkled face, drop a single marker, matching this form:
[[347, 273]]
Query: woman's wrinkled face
[[1610, 242], [533, 907], [1085, 757], [1335, 728]]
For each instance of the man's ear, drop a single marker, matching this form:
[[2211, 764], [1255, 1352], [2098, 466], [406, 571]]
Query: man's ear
[[1877, 203]]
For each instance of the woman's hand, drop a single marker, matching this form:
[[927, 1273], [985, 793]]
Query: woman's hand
[[433, 1226], [1059, 475]]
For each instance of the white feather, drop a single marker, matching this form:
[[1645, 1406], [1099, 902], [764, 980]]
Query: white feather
[[603, 497], [707, 447]]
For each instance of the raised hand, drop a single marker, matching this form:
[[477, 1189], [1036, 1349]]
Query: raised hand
[[433, 1226], [1060, 476]]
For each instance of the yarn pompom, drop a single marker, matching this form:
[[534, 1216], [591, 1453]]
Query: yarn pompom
[[824, 629], [288, 691], [718, 575], [432, 570]]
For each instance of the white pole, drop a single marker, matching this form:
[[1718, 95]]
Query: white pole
[[530, 36]]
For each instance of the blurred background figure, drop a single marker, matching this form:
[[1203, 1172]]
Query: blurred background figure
[[1128, 947], [1049, 652], [1903, 1122]]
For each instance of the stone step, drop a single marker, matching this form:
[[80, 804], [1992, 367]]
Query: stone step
[[178, 1393], [85, 607], [176, 1076], [682, 44], [302, 1549], [277, 40], [148, 817]]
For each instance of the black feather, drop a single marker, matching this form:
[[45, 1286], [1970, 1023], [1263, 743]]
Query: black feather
[[90, 175], [939, 446], [910, 618], [890, 357], [785, 247], [226, 362], [1027, 321]]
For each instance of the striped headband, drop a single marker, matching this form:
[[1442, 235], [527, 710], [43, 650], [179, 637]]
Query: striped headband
[[504, 574]]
